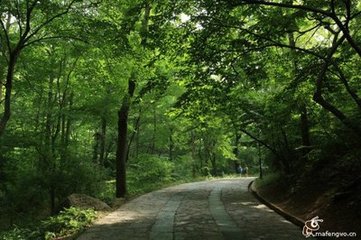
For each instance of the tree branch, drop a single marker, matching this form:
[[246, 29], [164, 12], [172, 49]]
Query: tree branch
[[29, 10], [344, 81], [319, 83], [287, 5], [19, 18], [277, 44], [7, 39], [52, 37], [332, 15], [259, 141], [48, 21], [317, 97]]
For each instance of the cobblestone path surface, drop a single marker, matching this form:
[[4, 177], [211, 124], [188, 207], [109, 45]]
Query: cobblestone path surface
[[211, 210]]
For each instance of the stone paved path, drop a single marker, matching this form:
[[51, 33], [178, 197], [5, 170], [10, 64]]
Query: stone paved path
[[212, 210]]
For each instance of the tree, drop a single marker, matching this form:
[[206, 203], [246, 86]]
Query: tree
[[331, 21], [23, 24], [237, 47]]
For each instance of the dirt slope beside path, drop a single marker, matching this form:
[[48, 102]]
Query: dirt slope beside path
[[338, 214], [213, 210]]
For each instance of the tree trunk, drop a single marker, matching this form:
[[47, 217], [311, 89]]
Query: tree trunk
[[68, 123], [236, 150], [171, 143], [135, 134], [306, 143], [26, 35], [260, 161], [65, 126], [121, 154], [193, 148], [96, 147], [154, 135], [305, 131], [213, 158], [8, 90], [102, 139]]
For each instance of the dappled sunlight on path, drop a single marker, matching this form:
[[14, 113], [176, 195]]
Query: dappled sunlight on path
[[213, 210]]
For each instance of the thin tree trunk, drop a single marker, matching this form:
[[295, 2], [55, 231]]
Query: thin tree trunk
[[151, 148], [193, 152], [213, 158], [134, 135], [236, 150], [171, 143], [305, 131], [96, 147], [68, 123], [260, 161], [102, 139]]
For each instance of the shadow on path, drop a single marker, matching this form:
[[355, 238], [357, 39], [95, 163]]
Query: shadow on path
[[212, 210]]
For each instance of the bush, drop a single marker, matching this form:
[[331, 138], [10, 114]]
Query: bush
[[29, 182], [18, 233], [68, 222], [147, 172], [184, 167]]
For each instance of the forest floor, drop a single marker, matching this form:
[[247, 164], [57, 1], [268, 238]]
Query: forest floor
[[340, 211]]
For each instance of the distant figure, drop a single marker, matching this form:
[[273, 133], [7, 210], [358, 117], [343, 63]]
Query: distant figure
[[240, 170]]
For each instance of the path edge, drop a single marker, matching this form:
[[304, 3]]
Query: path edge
[[293, 219]]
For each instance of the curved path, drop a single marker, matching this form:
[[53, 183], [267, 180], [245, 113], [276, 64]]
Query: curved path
[[212, 210]]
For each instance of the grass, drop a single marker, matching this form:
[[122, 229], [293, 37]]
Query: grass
[[268, 179]]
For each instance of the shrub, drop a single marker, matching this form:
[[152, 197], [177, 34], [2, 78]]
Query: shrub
[[68, 222], [147, 171], [18, 233]]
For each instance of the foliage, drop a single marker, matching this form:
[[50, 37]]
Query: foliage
[[217, 84], [148, 172], [66, 223], [182, 166], [20, 234], [27, 185]]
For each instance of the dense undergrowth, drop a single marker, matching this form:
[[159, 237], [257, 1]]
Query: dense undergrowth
[[145, 174], [66, 223]]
